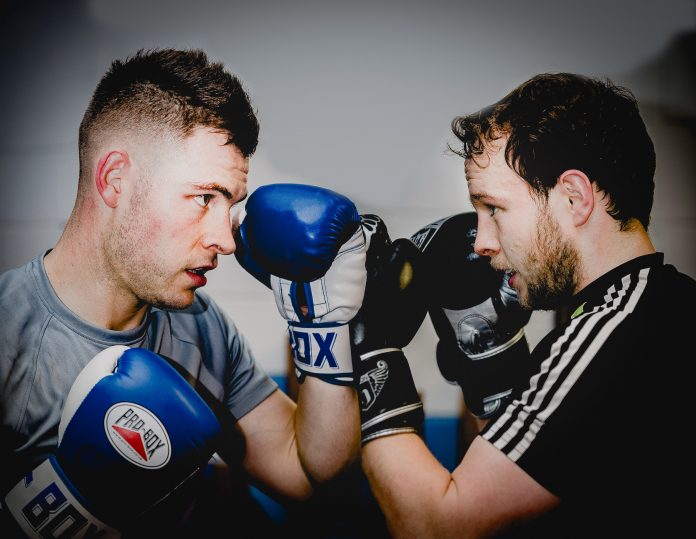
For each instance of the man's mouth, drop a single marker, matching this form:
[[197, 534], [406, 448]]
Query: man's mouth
[[198, 274], [510, 273], [512, 278]]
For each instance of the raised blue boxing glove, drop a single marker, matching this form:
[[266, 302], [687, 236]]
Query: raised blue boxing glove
[[307, 244], [132, 431]]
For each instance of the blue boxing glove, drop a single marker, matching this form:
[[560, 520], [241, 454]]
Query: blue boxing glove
[[307, 244], [132, 431]]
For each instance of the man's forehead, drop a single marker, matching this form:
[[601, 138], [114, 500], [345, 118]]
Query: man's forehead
[[492, 157], [475, 167]]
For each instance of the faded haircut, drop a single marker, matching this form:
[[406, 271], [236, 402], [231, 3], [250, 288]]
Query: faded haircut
[[168, 88]]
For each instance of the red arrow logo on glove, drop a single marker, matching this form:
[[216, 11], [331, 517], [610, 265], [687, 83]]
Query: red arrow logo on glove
[[133, 439]]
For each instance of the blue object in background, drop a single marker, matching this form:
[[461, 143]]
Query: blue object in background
[[282, 382], [441, 437]]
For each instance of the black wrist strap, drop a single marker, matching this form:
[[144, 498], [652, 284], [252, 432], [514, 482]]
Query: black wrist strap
[[389, 401]]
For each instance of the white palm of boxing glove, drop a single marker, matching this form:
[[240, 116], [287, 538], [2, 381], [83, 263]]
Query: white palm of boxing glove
[[309, 246], [318, 326]]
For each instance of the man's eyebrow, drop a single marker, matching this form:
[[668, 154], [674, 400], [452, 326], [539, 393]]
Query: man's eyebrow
[[215, 187], [485, 198]]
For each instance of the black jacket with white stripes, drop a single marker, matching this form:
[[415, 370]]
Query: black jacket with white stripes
[[604, 422]]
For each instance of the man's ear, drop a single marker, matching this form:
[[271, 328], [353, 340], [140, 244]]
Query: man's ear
[[576, 189], [110, 173]]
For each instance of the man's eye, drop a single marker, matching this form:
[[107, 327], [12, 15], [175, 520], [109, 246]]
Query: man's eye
[[492, 210], [203, 200]]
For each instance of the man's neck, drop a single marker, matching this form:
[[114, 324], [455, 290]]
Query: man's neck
[[79, 278], [602, 255]]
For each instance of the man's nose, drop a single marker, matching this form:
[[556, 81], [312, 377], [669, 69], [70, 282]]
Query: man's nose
[[486, 243], [220, 236]]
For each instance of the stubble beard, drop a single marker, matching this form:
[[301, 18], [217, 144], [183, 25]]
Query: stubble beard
[[134, 260], [554, 267]]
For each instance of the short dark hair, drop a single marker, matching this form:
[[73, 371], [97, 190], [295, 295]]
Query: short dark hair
[[561, 121], [181, 89]]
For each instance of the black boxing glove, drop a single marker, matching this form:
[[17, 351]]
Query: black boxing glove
[[476, 315], [393, 309]]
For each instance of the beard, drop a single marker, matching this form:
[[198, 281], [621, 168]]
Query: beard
[[133, 259], [554, 267]]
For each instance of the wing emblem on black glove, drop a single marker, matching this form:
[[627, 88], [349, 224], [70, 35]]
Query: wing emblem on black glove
[[371, 384]]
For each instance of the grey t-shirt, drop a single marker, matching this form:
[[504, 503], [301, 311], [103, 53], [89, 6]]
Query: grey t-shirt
[[44, 346]]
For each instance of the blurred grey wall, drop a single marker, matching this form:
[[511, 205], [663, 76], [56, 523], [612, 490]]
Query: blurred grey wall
[[355, 96]]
